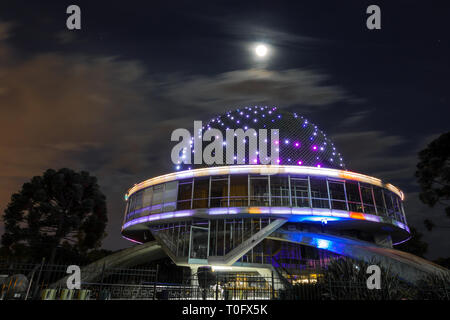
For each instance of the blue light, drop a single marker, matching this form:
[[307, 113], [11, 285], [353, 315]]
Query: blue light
[[323, 244]]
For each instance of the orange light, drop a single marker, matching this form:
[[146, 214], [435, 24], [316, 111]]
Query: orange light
[[357, 215], [254, 210]]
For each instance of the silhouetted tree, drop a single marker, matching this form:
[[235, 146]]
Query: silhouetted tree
[[414, 245], [433, 172], [61, 210]]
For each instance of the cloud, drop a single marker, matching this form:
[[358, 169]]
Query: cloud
[[356, 118], [255, 86], [5, 30], [370, 150], [250, 31], [66, 37]]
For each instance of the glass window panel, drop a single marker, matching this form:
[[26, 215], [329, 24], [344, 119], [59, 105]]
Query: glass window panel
[[378, 194], [352, 191], [353, 196], [185, 189], [170, 196], [138, 200], [147, 199], [238, 191], [389, 204], [158, 193], [279, 191], [397, 209], [220, 237], [228, 235], [299, 190], [212, 237], [259, 191], [131, 204], [199, 244], [201, 192], [366, 195], [319, 192], [184, 194], [337, 194], [219, 192]]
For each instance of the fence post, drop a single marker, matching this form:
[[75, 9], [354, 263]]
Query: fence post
[[217, 288], [154, 282], [273, 289], [101, 283], [38, 278]]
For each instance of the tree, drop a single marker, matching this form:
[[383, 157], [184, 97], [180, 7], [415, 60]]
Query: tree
[[414, 245], [433, 173], [62, 211]]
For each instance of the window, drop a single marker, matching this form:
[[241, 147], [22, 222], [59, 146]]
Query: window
[[184, 194], [397, 210], [259, 191], [389, 203], [379, 202], [199, 243], [131, 204], [238, 191], [170, 196], [138, 200], [279, 191], [367, 198], [147, 199], [319, 193], [201, 192], [353, 196], [337, 195], [299, 191], [219, 191], [157, 199]]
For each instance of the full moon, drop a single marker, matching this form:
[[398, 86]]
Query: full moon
[[261, 50]]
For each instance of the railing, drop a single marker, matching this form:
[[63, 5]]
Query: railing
[[144, 284]]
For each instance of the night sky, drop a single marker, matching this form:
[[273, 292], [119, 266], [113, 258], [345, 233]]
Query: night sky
[[106, 98]]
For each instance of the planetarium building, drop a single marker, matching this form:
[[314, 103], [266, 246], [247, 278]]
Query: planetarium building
[[305, 209]]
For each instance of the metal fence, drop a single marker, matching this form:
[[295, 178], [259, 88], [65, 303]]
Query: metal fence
[[37, 281]]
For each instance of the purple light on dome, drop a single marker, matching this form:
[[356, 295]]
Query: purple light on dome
[[314, 147], [297, 144], [286, 141], [300, 162], [319, 166], [278, 160], [276, 142], [255, 160]]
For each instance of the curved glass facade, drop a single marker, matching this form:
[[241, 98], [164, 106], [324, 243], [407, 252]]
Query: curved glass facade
[[248, 190]]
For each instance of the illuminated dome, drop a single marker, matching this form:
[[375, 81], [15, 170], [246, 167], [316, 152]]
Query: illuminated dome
[[300, 141]]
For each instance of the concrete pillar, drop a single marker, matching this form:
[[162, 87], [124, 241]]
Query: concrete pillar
[[194, 276]]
